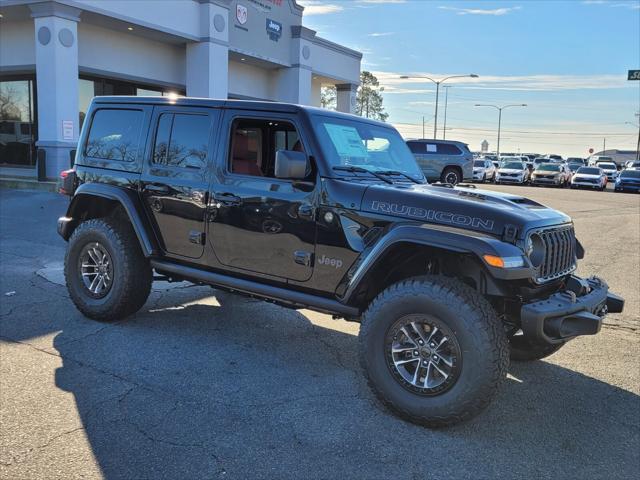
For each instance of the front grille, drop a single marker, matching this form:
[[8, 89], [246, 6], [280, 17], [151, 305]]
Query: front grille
[[587, 180], [560, 257]]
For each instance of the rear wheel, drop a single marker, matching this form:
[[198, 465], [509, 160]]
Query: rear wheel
[[433, 350], [523, 350], [451, 176], [107, 275]]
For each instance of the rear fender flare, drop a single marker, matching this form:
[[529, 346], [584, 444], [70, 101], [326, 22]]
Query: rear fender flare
[[129, 201]]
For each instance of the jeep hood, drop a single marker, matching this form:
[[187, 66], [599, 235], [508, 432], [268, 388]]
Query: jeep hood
[[474, 209]]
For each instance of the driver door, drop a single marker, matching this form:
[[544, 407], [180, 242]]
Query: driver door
[[262, 224]]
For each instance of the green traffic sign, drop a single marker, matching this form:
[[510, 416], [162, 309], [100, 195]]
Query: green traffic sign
[[634, 75]]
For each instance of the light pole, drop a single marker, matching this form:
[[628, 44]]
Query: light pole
[[638, 145], [446, 101], [438, 82], [500, 118]]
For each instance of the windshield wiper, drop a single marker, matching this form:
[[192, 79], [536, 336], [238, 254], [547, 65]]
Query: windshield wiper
[[354, 169], [396, 172]]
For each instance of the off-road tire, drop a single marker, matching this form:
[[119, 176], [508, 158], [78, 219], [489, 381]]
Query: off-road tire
[[447, 172], [525, 351], [132, 275], [478, 331]]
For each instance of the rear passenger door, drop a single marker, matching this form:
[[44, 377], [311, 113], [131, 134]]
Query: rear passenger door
[[175, 177]]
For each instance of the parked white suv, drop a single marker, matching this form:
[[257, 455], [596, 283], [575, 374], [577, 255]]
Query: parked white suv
[[484, 170], [513, 172]]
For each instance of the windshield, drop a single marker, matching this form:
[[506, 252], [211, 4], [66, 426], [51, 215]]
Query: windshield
[[513, 165], [607, 166], [547, 167], [630, 174], [478, 163], [589, 171], [361, 144]]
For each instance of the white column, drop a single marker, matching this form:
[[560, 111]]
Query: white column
[[293, 84], [56, 32], [346, 97], [207, 72]]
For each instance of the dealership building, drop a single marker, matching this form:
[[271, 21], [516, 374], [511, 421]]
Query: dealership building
[[56, 55]]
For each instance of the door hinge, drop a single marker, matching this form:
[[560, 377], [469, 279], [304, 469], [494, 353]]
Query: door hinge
[[196, 237], [303, 258]]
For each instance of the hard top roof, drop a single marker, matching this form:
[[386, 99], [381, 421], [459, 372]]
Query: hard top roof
[[235, 104]]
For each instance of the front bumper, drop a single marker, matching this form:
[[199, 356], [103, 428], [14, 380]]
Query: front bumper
[[578, 310], [503, 179], [545, 181], [580, 183], [626, 187]]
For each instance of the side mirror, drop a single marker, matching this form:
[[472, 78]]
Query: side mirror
[[291, 164]]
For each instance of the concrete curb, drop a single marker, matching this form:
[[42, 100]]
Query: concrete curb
[[28, 184]]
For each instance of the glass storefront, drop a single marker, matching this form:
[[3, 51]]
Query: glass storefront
[[17, 122], [18, 111], [93, 86]]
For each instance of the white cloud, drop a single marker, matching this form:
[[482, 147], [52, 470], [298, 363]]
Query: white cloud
[[381, 1], [316, 7], [381, 34], [630, 5], [395, 85], [496, 12]]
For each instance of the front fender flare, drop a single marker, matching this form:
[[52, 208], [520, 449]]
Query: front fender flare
[[439, 236], [126, 198]]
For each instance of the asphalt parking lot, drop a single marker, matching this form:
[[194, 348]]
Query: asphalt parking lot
[[202, 384]]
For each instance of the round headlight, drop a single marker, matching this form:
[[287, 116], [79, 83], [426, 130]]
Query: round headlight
[[536, 250]]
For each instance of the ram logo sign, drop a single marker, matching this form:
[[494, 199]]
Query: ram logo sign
[[432, 215]]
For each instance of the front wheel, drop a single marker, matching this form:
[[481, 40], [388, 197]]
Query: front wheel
[[108, 277], [433, 350]]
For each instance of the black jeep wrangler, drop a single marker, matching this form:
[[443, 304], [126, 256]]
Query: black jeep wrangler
[[309, 208]]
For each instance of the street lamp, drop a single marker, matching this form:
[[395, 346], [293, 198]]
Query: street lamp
[[446, 101], [438, 82], [637, 146], [500, 118]]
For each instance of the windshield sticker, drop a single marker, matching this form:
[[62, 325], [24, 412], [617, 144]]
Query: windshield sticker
[[346, 140], [432, 215]]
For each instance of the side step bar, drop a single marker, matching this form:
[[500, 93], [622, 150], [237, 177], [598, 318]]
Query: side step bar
[[282, 296]]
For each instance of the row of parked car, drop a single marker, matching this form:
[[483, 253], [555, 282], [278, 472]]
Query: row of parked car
[[452, 162], [546, 171]]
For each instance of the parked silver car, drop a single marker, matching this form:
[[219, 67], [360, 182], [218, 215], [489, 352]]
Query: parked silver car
[[556, 174], [443, 160], [610, 169], [589, 177], [484, 170]]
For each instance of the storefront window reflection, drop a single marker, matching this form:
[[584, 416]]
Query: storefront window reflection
[[17, 123]]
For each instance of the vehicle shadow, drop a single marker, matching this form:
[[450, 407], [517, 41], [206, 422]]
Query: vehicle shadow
[[203, 384]]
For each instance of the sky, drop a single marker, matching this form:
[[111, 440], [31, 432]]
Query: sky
[[566, 60]]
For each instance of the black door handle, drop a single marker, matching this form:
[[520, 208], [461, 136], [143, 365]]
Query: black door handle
[[152, 187], [227, 199]]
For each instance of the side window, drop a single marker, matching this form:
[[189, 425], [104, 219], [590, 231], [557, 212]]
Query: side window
[[448, 149], [416, 147], [115, 135], [254, 144], [182, 140]]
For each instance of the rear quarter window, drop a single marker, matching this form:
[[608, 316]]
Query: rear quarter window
[[448, 149], [115, 135]]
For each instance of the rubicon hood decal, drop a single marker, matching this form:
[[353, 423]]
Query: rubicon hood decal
[[473, 209], [433, 215]]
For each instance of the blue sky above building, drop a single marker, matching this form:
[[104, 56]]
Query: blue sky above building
[[567, 60]]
